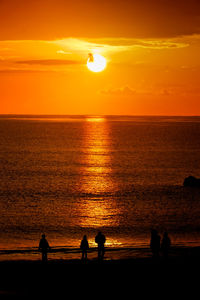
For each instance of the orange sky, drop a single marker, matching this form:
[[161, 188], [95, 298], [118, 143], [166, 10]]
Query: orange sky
[[152, 50]]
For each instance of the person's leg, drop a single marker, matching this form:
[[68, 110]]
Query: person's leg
[[102, 253], [44, 256], [99, 252]]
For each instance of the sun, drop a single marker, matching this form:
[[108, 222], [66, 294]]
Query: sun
[[96, 62]]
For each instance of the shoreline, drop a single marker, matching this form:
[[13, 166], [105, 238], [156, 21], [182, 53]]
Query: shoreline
[[111, 253], [177, 254]]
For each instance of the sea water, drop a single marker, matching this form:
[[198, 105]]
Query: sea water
[[67, 176]]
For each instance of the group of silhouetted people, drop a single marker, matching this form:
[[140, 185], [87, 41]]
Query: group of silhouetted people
[[156, 245], [99, 240], [84, 246]]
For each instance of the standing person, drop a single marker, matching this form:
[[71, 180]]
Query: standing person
[[44, 248], [84, 247], [100, 240], [165, 244], [155, 243]]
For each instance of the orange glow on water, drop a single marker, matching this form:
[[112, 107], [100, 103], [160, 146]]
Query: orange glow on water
[[98, 180], [95, 119], [96, 144]]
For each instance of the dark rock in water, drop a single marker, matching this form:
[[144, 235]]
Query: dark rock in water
[[192, 181]]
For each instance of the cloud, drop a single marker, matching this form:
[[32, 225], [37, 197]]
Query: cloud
[[128, 91], [20, 71], [124, 91], [48, 62], [45, 54], [114, 45], [156, 90], [122, 44], [62, 52]]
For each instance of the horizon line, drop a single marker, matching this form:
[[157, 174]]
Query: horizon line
[[92, 115]]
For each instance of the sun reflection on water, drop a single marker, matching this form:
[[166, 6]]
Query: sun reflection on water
[[96, 165], [97, 210], [95, 119]]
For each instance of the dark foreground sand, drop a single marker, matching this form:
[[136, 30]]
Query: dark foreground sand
[[133, 278]]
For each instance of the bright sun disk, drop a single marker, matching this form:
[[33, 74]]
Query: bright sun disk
[[96, 62]]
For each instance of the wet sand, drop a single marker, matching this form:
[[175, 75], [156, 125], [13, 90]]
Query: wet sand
[[59, 278]]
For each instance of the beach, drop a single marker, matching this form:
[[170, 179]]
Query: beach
[[60, 278]]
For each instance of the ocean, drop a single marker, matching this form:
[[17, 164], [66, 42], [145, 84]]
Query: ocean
[[67, 176]]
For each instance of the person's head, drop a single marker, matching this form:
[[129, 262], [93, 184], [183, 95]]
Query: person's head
[[43, 236], [85, 237]]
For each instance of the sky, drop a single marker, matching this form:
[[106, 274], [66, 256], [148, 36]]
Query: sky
[[152, 50]]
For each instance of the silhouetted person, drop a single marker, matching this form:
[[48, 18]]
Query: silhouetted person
[[100, 240], [84, 247], [155, 243], [165, 244], [44, 248]]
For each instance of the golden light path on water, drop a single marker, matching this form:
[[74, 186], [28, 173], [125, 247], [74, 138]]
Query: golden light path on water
[[99, 211]]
